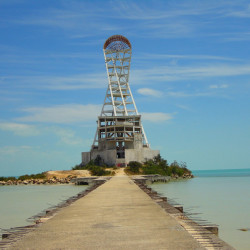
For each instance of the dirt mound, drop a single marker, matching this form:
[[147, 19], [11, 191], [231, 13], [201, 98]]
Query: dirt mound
[[67, 173]]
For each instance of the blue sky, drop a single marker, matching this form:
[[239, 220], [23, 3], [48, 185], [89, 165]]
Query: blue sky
[[190, 77]]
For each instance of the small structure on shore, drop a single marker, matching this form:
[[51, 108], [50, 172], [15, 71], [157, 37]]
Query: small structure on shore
[[120, 137]]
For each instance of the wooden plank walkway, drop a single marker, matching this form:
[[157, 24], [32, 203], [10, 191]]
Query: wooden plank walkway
[[116, 215]]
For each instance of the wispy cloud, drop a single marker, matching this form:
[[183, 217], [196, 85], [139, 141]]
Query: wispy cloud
[[26, 57], [10, 2], [52, 17], [151, 56], [243, 11], [13, 150], [184, 107], [20, 129], [164, 19], [163, 10], [149, 92], [237, 36], [73, 82], [180, 18], [78, 18], [215, 86], [195, 72], [74, 18], [156, 117], [182, 94], [64, 114], [66, 136]]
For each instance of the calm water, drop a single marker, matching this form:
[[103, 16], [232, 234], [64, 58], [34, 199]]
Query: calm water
[[221, 196], [18, 203]]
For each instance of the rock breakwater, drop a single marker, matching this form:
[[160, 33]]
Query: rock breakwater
[[38, 181]]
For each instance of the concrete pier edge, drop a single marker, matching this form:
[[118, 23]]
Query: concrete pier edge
[[14, 234], [207, 236]]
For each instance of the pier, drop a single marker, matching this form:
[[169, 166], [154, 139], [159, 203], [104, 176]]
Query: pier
[[149, 179], [89, 180], [116, 215]]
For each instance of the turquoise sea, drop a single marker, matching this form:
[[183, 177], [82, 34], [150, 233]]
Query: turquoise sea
[[220, 197], [19, 203]]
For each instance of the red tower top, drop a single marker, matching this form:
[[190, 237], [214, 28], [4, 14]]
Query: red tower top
[[117, 42]]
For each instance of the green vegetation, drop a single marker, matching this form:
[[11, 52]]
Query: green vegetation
[[158, 166], [96, 167], [24, 177], [10, 178], [32, 176], [134, 167]]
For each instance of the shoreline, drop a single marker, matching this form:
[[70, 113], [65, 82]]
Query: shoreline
[[49, 177], [37, 181], [68, 180]]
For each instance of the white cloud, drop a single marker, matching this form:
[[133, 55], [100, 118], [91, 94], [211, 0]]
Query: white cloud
[[67, 136], [88, 81], [161, 20], [166, 19], [74, 18], [177, 73], [162, 56], [180, 94], [13, 150], [240, 13], [165, 10], [156, 117], [215, 86], [73, 113], [149, 92], [19, 129], [72, 82], [184, 107]]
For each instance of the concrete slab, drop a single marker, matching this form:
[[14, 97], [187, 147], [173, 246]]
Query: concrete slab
[[117, 215]]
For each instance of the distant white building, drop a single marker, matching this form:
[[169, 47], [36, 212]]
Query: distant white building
[[120, 137]]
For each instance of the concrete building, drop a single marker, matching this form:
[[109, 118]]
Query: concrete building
[[120, 137]]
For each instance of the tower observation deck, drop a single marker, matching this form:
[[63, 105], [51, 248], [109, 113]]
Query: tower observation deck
[[120, 137]]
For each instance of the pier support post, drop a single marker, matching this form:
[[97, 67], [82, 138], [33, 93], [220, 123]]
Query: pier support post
[[212, 229], [180, 208]]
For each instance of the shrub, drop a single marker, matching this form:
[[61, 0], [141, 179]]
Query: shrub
[[79, 167], [98, 171], [151, 167], [11, 178], [32, 176], [134, 167], [96, 167], [160, 166], [156, 166]]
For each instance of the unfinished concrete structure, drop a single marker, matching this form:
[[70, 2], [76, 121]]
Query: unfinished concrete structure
[[120, 137]]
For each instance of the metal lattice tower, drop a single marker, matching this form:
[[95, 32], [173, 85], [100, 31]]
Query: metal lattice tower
[[119, 99], [120, 137], [119, 122]]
